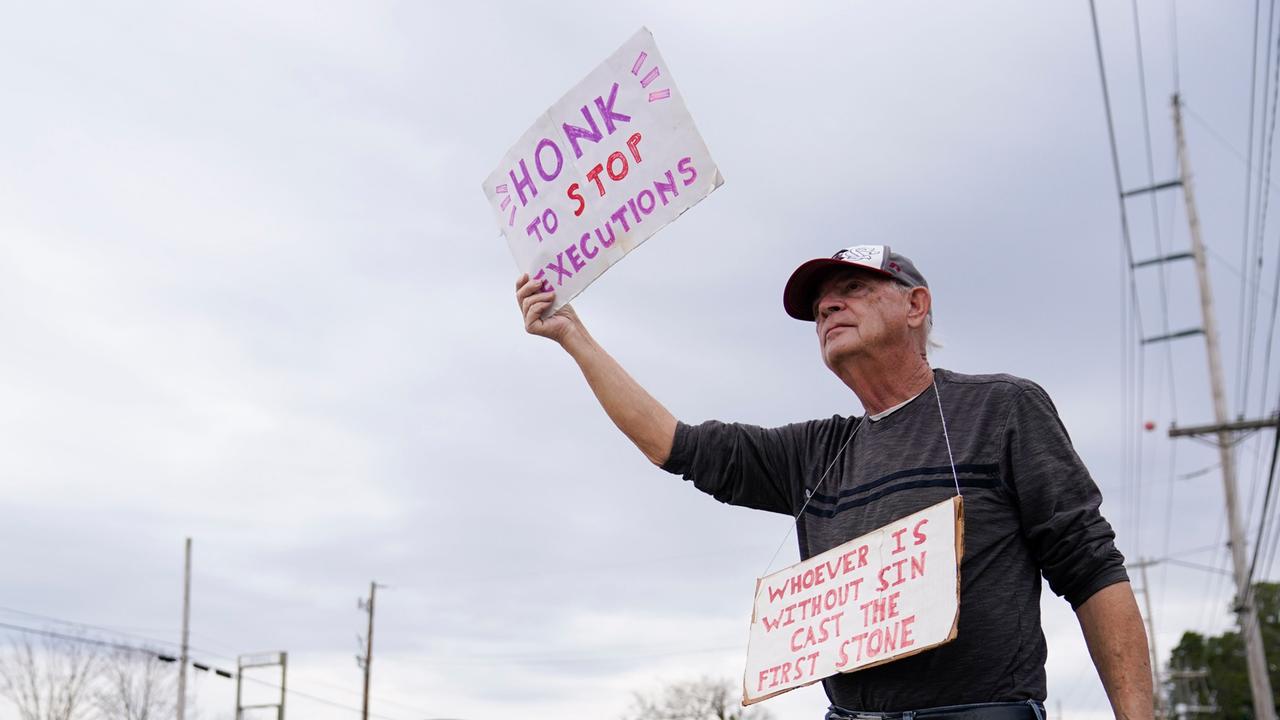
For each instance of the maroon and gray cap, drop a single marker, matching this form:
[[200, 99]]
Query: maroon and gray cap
[[799, 294]]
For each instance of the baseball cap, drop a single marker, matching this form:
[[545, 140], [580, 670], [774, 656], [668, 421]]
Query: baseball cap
[[797, 297]]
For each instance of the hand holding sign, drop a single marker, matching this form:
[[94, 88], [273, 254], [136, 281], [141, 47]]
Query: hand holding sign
[[534, 302], [610, 164]]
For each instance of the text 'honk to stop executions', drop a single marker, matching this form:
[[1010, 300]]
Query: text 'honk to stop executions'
[[611, 163]]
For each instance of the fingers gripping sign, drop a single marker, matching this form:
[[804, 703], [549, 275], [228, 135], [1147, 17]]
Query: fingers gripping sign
[[536, 298]]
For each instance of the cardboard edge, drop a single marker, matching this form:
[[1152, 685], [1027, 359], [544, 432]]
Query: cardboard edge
[[958, 503], [754, 609]]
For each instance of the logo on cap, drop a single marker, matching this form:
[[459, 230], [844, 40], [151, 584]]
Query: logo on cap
[[871, 256]]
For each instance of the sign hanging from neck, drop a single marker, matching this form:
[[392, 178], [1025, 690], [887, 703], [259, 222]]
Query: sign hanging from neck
[[891, 593], [615, 160]]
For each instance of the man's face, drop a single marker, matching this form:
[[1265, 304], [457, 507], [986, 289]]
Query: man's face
[[858, 313]]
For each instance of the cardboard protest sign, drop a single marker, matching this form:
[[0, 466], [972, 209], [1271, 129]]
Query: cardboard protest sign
[[610, 164], [891, 593]]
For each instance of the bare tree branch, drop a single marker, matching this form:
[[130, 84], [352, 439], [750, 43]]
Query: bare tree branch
[[704, 699], [49, 680], [135, 686]]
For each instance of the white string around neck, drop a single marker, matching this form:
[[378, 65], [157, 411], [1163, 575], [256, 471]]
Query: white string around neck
[[809, 493]]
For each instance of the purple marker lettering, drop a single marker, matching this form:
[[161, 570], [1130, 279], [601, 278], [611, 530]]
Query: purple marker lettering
[[575, 133], [559, 268], [606, 110], [685, 166], [620, 217], [640, 201], [537, 159], [574, 258], [533, 229], [589, 250], [600, 236], [522, 183], [666, 187]]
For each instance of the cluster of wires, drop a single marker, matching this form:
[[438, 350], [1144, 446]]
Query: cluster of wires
[[1252, 322], [110, 639], [1253, 294]]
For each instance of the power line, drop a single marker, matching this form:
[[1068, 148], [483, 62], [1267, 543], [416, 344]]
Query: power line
[[157, 641], [100, 628], [1130, 448], [76, 638], [314, 698], [1266, 502], [1162, 277], [1168, 521], [140, 650], [1248, 171], [1162, 270], [1272, 88], [1173, 43]]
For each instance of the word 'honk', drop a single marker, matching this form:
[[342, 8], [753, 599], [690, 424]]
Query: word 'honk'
[[549, 170]]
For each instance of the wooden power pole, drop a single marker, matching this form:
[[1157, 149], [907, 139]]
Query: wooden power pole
[[1259, 680], [366, 660], [1157, 696], [186, 632]]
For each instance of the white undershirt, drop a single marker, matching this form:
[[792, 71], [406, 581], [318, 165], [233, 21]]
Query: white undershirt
[[890, 411]]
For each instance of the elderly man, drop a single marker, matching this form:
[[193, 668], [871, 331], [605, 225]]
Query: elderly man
[[1031, 507]]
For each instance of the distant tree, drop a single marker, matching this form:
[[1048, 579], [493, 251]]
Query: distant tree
[[704, 699], [49, 680], [135, 686], [1222, 656]]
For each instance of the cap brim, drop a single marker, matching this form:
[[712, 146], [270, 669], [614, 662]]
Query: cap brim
[[798, 295]]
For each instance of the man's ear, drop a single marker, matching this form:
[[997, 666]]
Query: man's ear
[[921, 303]]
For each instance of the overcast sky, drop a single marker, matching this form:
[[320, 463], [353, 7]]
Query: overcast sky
[[251, 293]]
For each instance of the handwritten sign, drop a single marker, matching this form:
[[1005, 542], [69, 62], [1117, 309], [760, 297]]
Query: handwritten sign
[[611, 163], [891, 593]]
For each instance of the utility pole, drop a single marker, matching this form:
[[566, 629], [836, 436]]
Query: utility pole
[[1259, 681], [366, 661], [186, 633], [1158, 697]]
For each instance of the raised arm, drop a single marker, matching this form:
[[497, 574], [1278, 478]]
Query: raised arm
[[640, 417]]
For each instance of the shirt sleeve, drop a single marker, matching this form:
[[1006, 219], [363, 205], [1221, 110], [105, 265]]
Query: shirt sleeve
[[1058, 502], [737, 463]]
